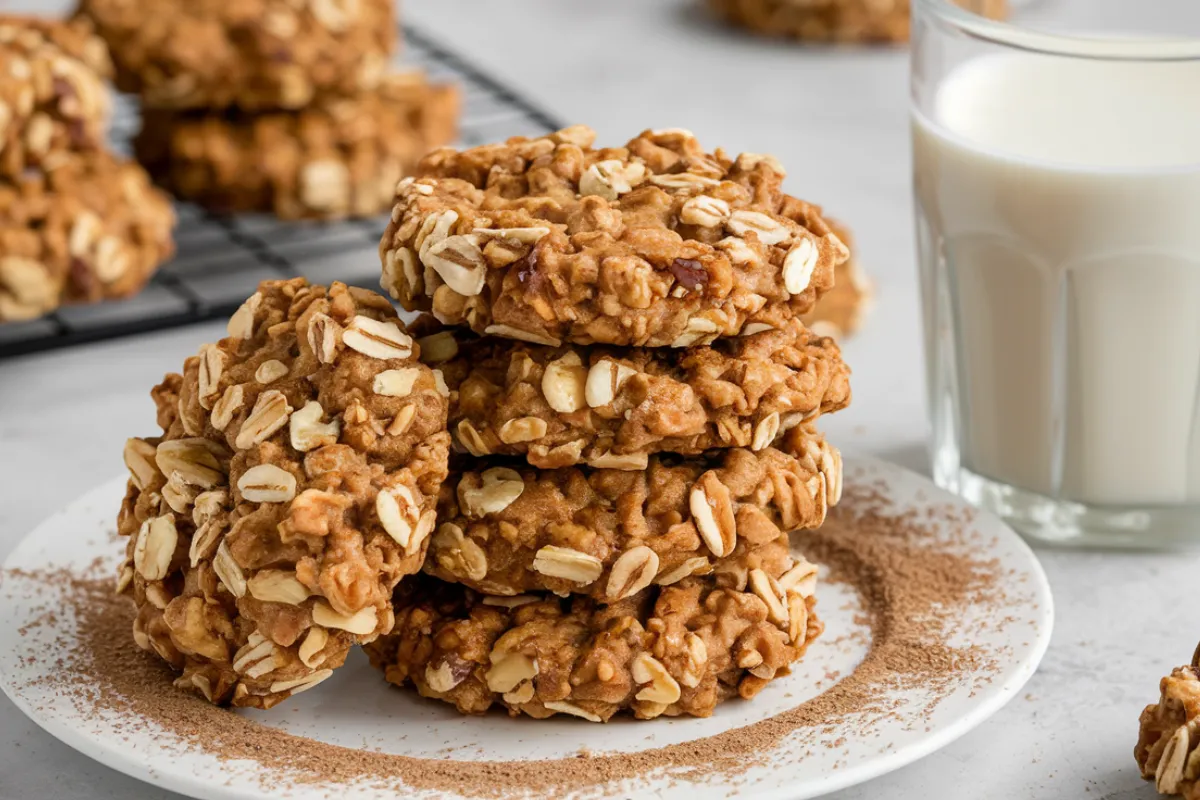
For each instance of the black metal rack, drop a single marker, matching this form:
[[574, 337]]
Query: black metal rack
[[220, 260]]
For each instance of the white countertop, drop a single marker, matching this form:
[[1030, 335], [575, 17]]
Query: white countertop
[[838, 121]]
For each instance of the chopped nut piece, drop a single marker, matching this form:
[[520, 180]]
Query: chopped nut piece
[[663, 688], [509, 670], [307, 432], [270, 371], [564, 383], [396, 382], [399, 513], [604, 381], [523, 429]]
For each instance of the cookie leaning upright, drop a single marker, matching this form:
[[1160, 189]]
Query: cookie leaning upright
[[53, 98], [252, 54], [292, 488], [657, 243]]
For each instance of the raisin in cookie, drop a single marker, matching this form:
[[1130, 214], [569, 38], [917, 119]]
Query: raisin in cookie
[[675, 650], [251, 54], [611, 407], [93, 228], [611, 533], [656, 243], [338, 158], [293, 486], [53, 99]]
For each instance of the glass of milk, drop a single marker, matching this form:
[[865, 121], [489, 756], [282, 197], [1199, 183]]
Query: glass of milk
[[1057, 181]]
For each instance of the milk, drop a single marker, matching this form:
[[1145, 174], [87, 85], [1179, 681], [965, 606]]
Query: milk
[[1063, 314]]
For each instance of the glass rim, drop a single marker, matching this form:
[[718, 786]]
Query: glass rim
[[1057, 44]]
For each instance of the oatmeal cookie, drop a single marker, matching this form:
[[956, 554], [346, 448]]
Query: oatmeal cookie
[[841, 310], [610, 533], [656, 243], [90, 229], [844, 21], [334, 159], [252, 54], [1168, 746], [674, 650], [293, 486], [607, 406], [53, 99]]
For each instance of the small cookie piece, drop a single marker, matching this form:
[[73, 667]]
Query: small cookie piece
[[250, 54], [841, 21], [610, 533], [675, 650], [1168, 746], [653, 244], [93, 228], [294, 485], [53, 99], [607, 406], [340, 158], [841, 310]]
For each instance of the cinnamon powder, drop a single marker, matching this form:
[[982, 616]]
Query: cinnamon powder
[[913, 590]]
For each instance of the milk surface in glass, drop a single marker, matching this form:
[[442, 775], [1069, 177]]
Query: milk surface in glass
[[1059, 219]]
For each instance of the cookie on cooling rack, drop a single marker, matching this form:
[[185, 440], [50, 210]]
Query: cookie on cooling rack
[[92, 228], [337, 158], [258, 54], [53, 99]]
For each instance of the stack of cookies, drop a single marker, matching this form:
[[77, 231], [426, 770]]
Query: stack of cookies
[[632, 399], [594, 450], [282, 106], [77, 224]]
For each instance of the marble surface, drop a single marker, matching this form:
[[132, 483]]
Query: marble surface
[[838, 120]]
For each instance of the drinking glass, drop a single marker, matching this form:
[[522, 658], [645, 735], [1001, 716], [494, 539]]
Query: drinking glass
[[1057, 185]]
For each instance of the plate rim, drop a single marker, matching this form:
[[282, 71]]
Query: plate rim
[[109, 753]]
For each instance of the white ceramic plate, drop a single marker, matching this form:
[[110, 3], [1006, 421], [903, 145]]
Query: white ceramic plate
[[355, 709]]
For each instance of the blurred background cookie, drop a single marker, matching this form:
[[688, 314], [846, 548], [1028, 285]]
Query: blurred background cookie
[[337, 158], [860, 21], [53, 99], [253, 54]]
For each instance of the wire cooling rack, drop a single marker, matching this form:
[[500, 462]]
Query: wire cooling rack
[[220, 260]]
